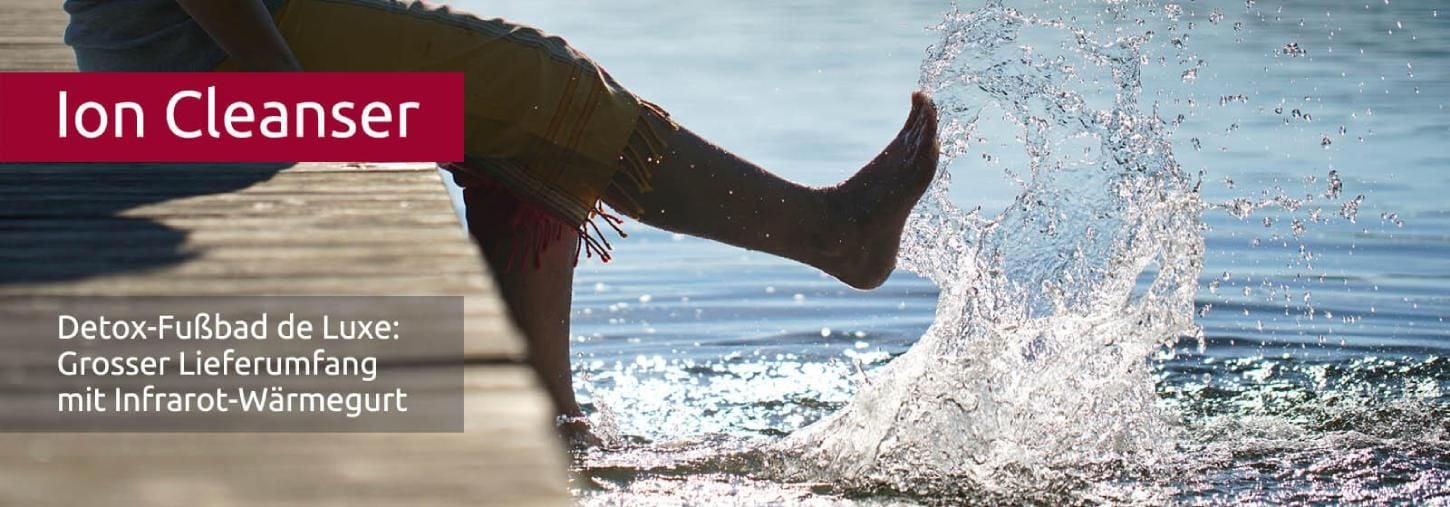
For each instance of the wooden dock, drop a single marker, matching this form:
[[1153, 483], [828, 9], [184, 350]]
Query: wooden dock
[[308, 229]]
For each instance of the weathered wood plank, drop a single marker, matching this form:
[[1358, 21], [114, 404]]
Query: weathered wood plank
[[30, 37], [499, 460], [209, 255], [261, 229]]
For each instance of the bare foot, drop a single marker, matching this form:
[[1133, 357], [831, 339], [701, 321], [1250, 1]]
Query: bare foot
[[872, 206], [577, 432]]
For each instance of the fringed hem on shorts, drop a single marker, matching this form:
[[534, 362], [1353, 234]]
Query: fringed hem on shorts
[[644, 150], [537, 226]]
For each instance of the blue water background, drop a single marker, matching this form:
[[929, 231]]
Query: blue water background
[[680, 336]]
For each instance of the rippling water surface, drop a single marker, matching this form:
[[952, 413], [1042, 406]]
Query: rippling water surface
[[1209, 264]]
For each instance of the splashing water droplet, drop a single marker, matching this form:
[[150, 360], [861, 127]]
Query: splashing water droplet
[[1349, 210], [1033, 369], [1335, 185]]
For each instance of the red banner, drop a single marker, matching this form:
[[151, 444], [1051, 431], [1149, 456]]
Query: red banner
[[231, 117]]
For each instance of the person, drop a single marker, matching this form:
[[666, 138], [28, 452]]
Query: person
[[549, 137]]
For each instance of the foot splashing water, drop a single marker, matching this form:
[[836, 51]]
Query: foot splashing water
[[1034, 378], [1066, 363]]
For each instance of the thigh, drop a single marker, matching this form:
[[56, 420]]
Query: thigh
[[543, 118]]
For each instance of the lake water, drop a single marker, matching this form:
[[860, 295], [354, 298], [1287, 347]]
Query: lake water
[[1320, 374]]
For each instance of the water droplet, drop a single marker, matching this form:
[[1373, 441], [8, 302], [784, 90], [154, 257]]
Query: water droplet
[[1349, 210]]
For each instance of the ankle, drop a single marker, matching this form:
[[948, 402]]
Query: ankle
[[836, 230]]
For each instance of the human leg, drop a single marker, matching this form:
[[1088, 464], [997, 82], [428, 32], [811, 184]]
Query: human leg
[[536, 283], [850, 230], [548, 124], [543, 130]]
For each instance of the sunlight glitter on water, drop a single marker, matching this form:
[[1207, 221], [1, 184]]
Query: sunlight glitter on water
[[1320, 376]]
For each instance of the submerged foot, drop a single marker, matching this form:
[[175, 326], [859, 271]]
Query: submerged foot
[[577, 433], [871, 207]]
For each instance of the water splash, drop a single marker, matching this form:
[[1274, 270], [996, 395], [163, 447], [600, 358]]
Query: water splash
[[1036, 369], [1045, 377]]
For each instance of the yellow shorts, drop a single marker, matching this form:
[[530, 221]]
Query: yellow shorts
[[540, 117]]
